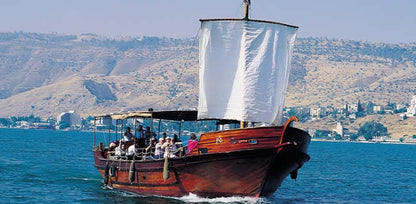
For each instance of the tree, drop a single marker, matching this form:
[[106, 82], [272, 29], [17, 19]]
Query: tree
[[360, 110], [337, 136], [353, 136], [87, 122], [371, 128], [369, 107], [391, 105], [63, 125], [302, 115], [320, 134], [5, 122]]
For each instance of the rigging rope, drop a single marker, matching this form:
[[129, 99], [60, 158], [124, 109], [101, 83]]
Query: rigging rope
[[176, 85]]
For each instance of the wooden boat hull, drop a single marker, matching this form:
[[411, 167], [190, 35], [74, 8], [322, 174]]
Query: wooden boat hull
[[253, 162]]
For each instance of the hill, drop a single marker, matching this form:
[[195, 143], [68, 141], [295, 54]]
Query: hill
[[46, 74]]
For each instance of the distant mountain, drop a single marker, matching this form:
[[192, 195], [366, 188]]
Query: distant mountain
[[46, 74]]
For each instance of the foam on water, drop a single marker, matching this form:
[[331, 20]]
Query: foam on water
[[192, 198], [83, 179]]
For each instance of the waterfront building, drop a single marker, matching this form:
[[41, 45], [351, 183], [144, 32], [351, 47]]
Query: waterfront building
[[341, 130], [69, 118]]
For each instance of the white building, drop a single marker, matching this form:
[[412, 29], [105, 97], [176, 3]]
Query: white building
[[352, 108], [411, 111], [378, 108], [317, 112], [71, 118], [341, 130]]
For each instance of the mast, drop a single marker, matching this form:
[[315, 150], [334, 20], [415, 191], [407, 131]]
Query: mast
[[246, 9], [246, 12]]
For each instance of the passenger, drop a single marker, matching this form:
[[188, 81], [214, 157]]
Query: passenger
[[152, 145], [147, 135], [178, 144], [191, 143], [176, 139], [164, 136], [159, 151], [128, 136], [170, 148], [132, 150], [113, 145], [140, 132], [121, 149]]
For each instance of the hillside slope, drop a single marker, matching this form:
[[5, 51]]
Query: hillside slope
[[45, 74]]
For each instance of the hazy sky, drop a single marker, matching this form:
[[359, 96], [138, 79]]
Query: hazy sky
[[391, 21]]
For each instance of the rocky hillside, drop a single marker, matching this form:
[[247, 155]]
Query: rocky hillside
[[336, 72], [46, 74]]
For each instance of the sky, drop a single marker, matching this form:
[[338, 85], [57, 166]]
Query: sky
[[389, 21]]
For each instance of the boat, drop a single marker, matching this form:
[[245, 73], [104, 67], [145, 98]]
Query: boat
[[242, 146]]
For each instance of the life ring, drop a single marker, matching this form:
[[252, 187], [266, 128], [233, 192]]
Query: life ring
[[106, 174], [112, 170]]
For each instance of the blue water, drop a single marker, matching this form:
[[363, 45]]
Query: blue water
[[45, 166]]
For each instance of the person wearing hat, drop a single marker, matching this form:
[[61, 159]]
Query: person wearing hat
[[159, 151], [113, 145]]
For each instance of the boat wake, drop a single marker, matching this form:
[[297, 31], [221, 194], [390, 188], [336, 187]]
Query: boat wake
[[192, 198], [82, 179]]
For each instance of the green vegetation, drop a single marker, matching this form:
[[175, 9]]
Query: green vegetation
[[12, 121], [63, 125], [371, 128]]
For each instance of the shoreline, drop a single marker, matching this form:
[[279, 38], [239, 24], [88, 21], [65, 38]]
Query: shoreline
[[370, 142]]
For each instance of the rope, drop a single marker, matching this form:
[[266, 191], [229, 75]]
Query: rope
[[175, 88]]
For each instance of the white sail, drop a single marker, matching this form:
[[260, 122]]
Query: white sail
[[244, 69]]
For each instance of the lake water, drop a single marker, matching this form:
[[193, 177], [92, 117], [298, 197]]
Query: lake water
[[45, 166]]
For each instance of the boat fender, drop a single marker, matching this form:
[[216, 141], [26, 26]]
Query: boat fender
[[106, 174], [132, 171], [166, 169], [112, 170]]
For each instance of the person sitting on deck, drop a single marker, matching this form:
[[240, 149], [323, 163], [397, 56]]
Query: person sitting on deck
[[121, 149], [152, 145], [159, 151], [128, 136], [170, 148], [191, 143], [113, 145], [132, 150]]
